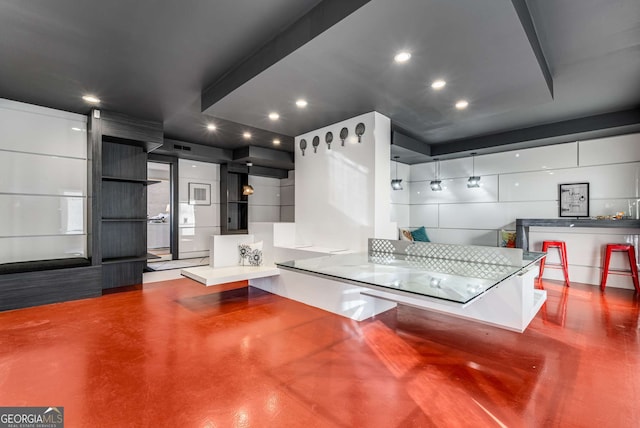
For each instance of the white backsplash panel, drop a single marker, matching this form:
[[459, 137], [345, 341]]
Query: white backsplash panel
[[487, 237], [455, 191], [43, 183], [493, 215], [194, 242], [287, 195], [264, 195], [199, 215], [34, 129], [22, 215], [424, 215], [400, 214], [535, 159], [42, 175], [14, 249], [618, 149], [264, 213], [605, 182], [287, 213]]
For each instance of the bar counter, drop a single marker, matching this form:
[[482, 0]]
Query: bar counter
[[523, 224]]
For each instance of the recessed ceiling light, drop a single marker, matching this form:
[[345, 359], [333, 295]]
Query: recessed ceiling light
[[76, 129], [247, 135], [274, 116], [462, 104], [438, 84], [193, 166], [301, 103], [403, 56], [211, 127], [91, 99], [276, 141]]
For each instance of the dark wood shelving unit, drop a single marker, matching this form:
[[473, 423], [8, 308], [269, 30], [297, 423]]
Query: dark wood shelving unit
[[120, 146], [129, 180], [234, 206]]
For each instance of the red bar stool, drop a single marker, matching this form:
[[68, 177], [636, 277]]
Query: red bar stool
[[633, 267], [564, 265]]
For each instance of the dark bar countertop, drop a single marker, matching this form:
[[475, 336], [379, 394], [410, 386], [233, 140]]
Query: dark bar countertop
[[523, 224]]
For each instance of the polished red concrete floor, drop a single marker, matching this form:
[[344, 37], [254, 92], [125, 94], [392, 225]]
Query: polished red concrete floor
[[176, 354]]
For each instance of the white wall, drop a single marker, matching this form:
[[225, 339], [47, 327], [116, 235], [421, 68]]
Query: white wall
[[342, 194], [43, 183], [202, 221], [524, 184], [264, 204], [158, 194], [400, 199], [197, 222]]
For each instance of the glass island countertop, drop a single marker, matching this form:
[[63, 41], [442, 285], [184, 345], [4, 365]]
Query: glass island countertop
[[451, 280]]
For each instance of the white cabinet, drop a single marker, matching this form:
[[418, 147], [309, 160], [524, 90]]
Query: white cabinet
[[158, 235]]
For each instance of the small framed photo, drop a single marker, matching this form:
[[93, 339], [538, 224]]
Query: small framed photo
[[574, 199], [199, 194]]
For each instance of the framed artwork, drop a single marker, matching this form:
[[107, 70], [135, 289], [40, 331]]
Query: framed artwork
[[574, 200], [199, 194]]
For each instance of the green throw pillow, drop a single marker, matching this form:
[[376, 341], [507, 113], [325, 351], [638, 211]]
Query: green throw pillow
[[420, 235]]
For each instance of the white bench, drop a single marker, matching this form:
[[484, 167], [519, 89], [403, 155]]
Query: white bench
[[278, 244], [215, 276], [223, 265]]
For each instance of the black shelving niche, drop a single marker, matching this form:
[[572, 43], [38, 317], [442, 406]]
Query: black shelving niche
[[234, 206], [122, 183]]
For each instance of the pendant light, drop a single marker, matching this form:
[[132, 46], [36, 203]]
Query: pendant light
[[247, 190], [396, 183], [436, 183], [474, 180]]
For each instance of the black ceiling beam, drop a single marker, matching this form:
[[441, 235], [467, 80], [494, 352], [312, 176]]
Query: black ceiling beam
[[196, 152], [529, 28], [598, 126], [264, 171], [315, 22], [401, 139], [263, 156]]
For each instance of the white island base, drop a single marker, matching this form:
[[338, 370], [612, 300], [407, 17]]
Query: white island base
[[510, 305]]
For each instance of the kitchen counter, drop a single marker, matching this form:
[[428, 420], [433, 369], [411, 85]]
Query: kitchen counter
[[523, 224]]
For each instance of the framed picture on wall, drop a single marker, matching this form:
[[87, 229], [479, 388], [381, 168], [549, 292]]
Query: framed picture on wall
[[574, 199], [199, 194]]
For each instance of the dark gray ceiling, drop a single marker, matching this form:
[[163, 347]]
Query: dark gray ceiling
[[154, 60], [145, 58]]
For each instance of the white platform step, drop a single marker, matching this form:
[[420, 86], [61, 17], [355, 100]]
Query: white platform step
[[214, 276]]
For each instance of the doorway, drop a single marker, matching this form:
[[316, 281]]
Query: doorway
[[159, 211]]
